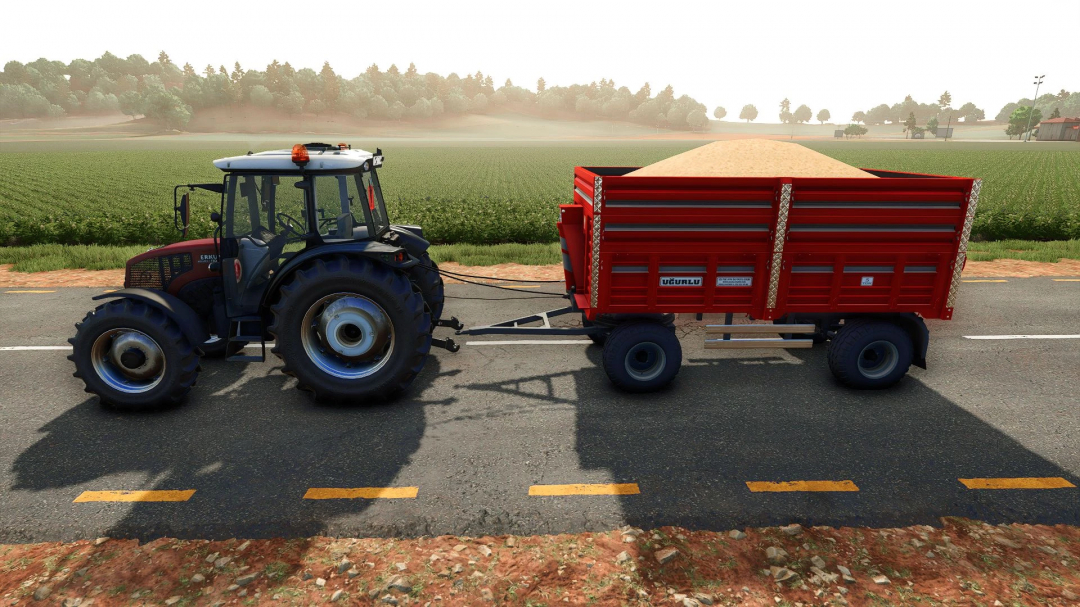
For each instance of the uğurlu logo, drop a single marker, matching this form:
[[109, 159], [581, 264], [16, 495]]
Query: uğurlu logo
[[680, 281]]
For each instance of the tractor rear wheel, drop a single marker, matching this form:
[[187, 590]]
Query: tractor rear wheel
[[426, 276], [133, 356], [351, 329]]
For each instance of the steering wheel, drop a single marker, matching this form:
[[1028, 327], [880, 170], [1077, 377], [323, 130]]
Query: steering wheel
[[287, 222], [326, 222]]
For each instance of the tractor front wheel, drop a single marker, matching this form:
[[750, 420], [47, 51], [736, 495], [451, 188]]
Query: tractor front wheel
[[133, 356], [351, 330]]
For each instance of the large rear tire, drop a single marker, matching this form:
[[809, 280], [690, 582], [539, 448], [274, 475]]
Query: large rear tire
[[351, 330], [870, 354], [642, 356], [133, 356], [426, 276]]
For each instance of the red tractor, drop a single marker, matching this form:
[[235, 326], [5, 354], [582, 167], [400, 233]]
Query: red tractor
[[304, 255]]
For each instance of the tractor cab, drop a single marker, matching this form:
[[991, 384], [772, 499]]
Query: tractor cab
[[279, 203]]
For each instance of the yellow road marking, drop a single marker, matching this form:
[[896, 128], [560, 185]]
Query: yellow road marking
[[135, 496], [985, 280], [368, 493], [771, 487], [110, 290], [1065, 279], [1050, 482], [582, 489], [29, 291]]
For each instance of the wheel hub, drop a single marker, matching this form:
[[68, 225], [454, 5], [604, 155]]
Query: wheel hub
[[127, 360], [347, 335], [645, 361], [878, 359], [354, 328]]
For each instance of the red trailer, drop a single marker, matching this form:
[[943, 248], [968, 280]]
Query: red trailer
[[860, 262]]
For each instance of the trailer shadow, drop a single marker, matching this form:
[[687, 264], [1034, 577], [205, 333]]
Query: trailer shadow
[[250, 443], [782, 417]]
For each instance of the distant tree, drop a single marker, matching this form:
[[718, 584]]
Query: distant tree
[[167, 108], [786, 117], [803, 114], [909, 124], [163, 58], [1022, 119], [932, 125], [945, 100], [261, 96], [719, 113], [785, 106], [970, 113], [131, 103], [411, 73], [1006, 112], [1056, 113], [331, 90], [697, 120], [540, 85], [854, 130], [749, 113], [478, 104], [859, 116], [316, 106], [55, 111], [420, 110], [1062, 95], [823, 115], [396, 110]]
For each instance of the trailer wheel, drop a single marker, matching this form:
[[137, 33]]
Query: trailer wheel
[[642, 356], [133, 356], [870, 354], [350, 329], [426, 276]]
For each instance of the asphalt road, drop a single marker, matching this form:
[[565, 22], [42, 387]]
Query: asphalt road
[[481, 426]]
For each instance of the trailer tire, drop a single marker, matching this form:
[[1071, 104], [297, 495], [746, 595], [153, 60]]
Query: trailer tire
[[426, 276], [870, 354], [380, 331], [642, 356], [156, 343]]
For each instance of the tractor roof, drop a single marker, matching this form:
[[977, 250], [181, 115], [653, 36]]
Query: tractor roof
[[323, 158]]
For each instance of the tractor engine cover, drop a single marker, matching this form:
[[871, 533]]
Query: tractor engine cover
[[173, 266]]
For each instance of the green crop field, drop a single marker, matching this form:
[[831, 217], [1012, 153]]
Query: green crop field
[[476, 193]]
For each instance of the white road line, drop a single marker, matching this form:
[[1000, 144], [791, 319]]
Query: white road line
[[1022, 337], [531, 342], [25, 348]]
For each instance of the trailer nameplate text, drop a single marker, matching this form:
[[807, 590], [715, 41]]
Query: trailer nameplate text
[[734, 281], [680, 281]]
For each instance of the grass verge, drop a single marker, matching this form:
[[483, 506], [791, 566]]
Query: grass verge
[[40, 258]]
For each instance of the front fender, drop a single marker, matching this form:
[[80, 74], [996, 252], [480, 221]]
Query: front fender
[[190, 324]]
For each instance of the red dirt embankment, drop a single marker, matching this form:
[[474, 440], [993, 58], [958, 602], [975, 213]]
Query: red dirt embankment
[[962, 562], [1001, 268]]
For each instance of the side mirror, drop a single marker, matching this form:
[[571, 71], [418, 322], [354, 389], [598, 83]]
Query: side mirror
[[215, 217], [182, 215]]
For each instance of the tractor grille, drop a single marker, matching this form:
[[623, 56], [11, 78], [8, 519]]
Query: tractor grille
[[157, 272]]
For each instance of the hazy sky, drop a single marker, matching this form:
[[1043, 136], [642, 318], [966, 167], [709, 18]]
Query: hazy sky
[[844, 55]]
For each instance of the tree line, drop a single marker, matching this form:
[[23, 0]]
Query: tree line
[[171, 94]]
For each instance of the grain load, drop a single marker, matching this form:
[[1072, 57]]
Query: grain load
[[750, 158]]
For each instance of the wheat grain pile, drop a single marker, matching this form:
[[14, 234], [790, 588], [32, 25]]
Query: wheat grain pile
[[750, 158]]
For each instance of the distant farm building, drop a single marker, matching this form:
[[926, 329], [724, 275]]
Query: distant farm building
[[943, 132], [1059, 129]]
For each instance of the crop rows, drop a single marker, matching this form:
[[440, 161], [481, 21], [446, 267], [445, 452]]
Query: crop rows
[[471, 194]]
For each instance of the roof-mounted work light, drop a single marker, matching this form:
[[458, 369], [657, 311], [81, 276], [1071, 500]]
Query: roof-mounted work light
[[300, 155]]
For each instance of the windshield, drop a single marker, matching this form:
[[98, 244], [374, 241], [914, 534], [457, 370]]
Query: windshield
[[346, 207]]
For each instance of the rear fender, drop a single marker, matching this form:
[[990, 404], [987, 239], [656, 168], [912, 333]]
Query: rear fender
[[375, 251], [920, 336], [412, 238], [188, 320]]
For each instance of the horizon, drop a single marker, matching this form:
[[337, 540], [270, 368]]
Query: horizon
[[432, 39]]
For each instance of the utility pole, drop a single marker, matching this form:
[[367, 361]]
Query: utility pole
[[1038, 81], [948, 128]]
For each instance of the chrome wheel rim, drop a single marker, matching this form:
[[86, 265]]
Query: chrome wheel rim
[[878, 359], [129, 361], [347, 335], [645, 361]]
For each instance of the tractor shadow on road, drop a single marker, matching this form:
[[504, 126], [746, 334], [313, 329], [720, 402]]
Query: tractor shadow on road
[[249, 443], [782, 417]]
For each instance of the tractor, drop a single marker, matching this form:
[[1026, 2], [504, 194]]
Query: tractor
[[303, 254]]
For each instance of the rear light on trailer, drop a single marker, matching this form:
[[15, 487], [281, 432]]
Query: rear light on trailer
[[300, 154]]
